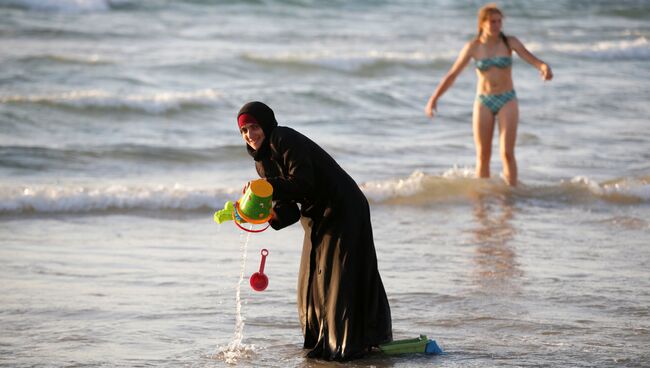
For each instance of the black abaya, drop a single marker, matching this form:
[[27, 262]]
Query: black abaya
[[342, 304]]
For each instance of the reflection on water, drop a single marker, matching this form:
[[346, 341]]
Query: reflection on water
[[495, 258]]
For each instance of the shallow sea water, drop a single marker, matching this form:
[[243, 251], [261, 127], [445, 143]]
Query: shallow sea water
[[118, 143]]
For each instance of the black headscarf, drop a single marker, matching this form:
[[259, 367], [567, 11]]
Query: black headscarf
[[266, 119]]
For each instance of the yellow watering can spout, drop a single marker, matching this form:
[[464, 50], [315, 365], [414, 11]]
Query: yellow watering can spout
[[225, 214]]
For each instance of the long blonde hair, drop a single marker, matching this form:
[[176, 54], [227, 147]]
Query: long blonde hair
[[484, 14]]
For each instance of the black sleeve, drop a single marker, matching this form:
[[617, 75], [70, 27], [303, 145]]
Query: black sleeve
[[286, 214], [298, 182]]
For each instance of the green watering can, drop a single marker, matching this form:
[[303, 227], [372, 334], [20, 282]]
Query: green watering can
[[255, 206]]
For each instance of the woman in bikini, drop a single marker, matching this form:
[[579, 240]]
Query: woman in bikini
[[496, 98]]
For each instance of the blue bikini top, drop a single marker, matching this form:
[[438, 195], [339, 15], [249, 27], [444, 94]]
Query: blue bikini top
[[498, 61]]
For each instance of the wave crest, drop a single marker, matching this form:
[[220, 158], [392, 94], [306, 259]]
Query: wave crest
[[67, 6], [156, 103], [357, 61], [460, 184], [638, 49], [624, 190], [456, 184], [60, 199]]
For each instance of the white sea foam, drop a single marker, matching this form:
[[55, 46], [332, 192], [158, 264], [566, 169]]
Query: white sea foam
[[638, 48], [70, 58], [47, 199], [626, 189], [155, 103], [420, 187], [417, 188], [350, 60], [65, 6], [457, 182], [234, 352], [62, 5], [379, 191], [459, 173]]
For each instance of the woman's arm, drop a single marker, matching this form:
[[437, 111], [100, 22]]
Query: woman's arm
[[285, 213], [521, 50], [448, 80], [298, 181]]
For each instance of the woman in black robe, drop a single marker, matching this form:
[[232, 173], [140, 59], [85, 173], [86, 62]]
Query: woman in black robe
[[342, 304]]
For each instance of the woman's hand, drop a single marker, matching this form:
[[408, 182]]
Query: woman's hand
[[431, 109], [546, 72], [245, 188]]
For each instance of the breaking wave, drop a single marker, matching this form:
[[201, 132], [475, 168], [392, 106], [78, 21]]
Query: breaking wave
[[417, 189], [637, 49], [460, 184], [83, 199], [154, 103], [351, 61], [66, 6]]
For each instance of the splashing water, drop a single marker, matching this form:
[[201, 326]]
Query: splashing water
[[235, 350]]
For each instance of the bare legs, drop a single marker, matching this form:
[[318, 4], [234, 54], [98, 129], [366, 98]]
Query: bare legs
[[508, 117], [483, 125]]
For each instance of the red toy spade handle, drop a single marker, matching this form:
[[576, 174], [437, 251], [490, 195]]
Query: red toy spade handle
[[264, 253]]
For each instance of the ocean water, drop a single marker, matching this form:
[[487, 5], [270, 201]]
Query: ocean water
[[118, 142]]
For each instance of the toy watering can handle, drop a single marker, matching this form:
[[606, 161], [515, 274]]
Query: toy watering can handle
[[237, 220], [250, 230]]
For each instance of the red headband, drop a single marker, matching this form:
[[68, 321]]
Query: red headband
[[244, 119]]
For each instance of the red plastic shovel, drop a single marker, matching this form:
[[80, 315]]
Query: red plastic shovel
[[258, 280]]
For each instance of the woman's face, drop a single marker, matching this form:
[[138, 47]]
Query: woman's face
[[253, 135], [492, 26]]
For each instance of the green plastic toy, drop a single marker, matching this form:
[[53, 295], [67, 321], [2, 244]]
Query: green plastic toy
[[225, 214], [417, 345], [255, 207]]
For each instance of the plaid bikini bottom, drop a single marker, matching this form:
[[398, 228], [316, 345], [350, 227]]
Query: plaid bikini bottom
[[496, 102]]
